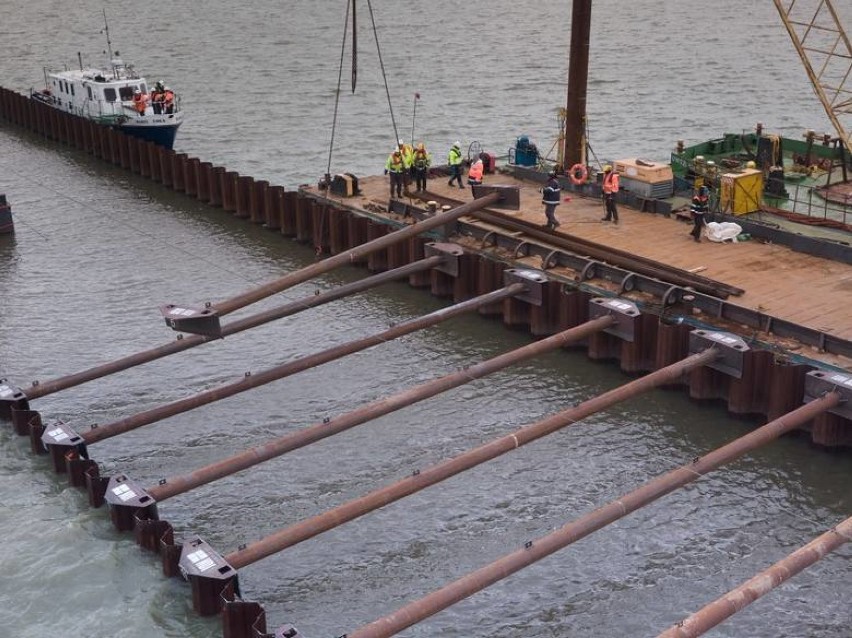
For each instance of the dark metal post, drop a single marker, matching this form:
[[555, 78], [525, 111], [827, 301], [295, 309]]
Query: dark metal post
[[578, 74], [533, 551], [315, 525]]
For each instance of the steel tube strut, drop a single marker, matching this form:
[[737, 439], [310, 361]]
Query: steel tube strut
[[130, 361], [248, 458], [309, 272], [298, 365], [315, 525], [448, 595], [736, 599]]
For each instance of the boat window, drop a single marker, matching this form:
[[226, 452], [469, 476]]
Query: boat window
[[109, 94], [126, 92], [89, 89], [72, 89], [143, 88]]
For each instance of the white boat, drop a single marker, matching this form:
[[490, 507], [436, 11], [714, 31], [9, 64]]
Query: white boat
[[106, 96]]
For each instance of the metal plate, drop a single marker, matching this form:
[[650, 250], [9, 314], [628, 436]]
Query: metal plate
[[624, 311], [126, 492], [198, 558], [731, 349], [200, 321], [510, 196], [534, 280], [11, 396], [451, 254], [818, 382], [61, 434]]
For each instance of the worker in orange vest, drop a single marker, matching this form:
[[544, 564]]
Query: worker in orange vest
[[474, 175], [610, 190], [140, 101], [168, 100]]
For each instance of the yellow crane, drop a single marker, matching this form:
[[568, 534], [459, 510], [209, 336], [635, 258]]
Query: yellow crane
[[824, 48]]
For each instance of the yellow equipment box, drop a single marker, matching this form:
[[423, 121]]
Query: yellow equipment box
[[741, 192], [643, 170]]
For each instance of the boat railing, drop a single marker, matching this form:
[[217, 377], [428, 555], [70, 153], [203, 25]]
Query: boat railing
[[817, 202]]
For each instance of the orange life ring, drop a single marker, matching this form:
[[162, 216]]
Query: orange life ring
[[579, 174]]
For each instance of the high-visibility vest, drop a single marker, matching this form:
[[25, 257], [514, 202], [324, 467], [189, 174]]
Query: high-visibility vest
[[421, 159], [169, 97], [140, 101], [610, 183], [454, 158], [475, 172], [395, 163], [407, 155]]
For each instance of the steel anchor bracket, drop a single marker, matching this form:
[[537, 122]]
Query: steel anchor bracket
[[534, 281], [126, 498], [510, 196], [11, 396], [208, 574], [625, 313], [287, 631], [59, 439], [200, 321], [731, 349], [818, 382], [451, 254]]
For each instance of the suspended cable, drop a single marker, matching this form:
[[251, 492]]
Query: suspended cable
[[339, 82], [384, 75]]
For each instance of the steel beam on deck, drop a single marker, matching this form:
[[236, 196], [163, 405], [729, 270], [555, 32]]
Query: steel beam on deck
[[41, 389], [735, 600], [534, 551], [381, 407], [315, 525], [205, 320], [61, 436]]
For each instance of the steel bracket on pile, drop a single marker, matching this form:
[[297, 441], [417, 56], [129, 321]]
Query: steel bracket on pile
[[58, 439], [207, 573], [125, 498], [200, 321], [510, 196], [818, 382], [625, 313], [451, 254], [534, 281], [287, 631], [11, 396], [731, 349]]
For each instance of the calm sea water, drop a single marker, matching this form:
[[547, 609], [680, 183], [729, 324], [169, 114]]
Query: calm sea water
[[97, 251]]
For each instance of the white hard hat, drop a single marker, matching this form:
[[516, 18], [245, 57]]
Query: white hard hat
[[457, 143], [401, 142]]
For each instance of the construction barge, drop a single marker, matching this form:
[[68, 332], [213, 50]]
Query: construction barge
[[656, 299]]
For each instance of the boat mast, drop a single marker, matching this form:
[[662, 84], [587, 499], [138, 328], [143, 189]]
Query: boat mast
[[109, 47], [578, 74]]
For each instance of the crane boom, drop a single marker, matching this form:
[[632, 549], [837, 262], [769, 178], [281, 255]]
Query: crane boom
[[824, 48]]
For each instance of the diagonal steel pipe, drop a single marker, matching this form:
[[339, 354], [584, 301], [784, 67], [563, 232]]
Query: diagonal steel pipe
[[180, 484], [45, 388], [315, 525], [206, 321], [251, 381], [533, 551], [737, 599]]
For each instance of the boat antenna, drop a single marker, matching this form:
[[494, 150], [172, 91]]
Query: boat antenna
[[80, 59]]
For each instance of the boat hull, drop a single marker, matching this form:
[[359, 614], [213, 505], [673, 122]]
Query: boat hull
[[160, 134]]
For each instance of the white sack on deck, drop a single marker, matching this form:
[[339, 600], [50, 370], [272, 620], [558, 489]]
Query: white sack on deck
[[724, 231]]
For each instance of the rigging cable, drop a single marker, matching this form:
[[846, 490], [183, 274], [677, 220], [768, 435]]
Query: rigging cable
[[384, 75], [339, 81]]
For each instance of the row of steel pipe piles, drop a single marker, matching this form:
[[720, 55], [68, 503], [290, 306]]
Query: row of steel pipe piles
[[711, 363]]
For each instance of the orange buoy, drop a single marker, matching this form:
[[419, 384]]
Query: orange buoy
[[579, 174]]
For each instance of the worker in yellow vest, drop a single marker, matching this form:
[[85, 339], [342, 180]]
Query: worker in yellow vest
[[420, 168], [396, 167], [454, 160], [407, 152]]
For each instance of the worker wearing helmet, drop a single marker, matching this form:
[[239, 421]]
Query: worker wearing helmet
[[168, 100], [454, 159], [407, 157], [396, 167], [420, 167], [140, 101], [610, 190], [550, 197], [474, 174]]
